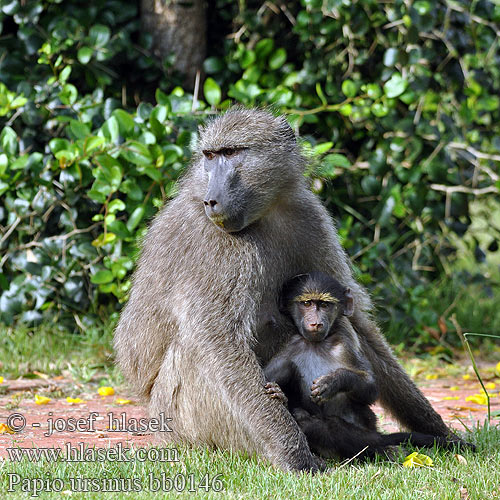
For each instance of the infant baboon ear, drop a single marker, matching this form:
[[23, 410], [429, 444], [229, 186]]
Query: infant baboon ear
[[348, 303]]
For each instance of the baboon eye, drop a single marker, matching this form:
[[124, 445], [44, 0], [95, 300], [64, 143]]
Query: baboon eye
[[323, 305], [228, 152], [209, 155], [306, 303]]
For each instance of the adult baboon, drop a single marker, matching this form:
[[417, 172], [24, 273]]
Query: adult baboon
[[328, 384], [203, 317]]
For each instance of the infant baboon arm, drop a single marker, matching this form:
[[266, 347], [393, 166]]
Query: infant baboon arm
[[280, 370], [358, 386]]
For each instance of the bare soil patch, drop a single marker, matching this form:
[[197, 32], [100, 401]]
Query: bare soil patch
[[17, 397]]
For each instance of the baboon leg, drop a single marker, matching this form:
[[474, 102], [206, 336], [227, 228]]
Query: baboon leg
[[333, 437], [398, 394], [416, 439], [242, 416]]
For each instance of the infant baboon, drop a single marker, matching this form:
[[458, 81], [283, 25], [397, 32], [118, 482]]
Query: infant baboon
[[328, 382], [203, 307]]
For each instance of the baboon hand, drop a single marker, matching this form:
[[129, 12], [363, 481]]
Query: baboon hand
[[275, 392], [324, 388]]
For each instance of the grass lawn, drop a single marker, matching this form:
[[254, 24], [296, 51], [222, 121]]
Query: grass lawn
[[203, 473]]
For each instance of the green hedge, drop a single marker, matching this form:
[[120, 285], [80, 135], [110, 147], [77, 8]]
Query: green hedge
[[397, 104]]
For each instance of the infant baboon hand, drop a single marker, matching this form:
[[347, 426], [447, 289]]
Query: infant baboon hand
[[274, 390], [323, 389]]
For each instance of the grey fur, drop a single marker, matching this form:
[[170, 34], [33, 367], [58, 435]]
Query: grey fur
[[203, 318]]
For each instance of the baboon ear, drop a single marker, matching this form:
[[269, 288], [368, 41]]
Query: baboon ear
[[348, 302]]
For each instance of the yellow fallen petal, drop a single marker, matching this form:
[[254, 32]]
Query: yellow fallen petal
[[466, 377], [416, 459], [431, 376], [105, 391], [122, 401], [41, 400], [450, 398], [490, 385], [5, 429], [497, 368], [74, 400], [1, 380], [454, 388], [479, 399]]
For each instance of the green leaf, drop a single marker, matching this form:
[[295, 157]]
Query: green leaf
[[212, 91], [136, 153], [213, 65], [18, 102], [322, 148], [172, 153], [19, 163], [395, 86], [135, 218], [4, 161], [64, 74], [101, 277], [104, 239], [264, 47], [85, 54], [116, 206], [57, 144], [337, 160], [111, 129], [391, 57], [130, 187], [248, 57], [93, 142], [349, 88], [125, 120], [99, 35], [422, 7], [379, 110], [68, 94], [79, 130], [277, 59], [162, 98], [8, 140], [345, 110]]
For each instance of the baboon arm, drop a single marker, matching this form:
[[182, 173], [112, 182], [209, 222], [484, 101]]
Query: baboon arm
[[280, 370], [240, 382], [398, 394], [357, 385]]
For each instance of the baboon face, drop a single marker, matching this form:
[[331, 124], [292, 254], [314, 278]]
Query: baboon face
[[228, 199], [314, 318], [314, 301], [248, 160]]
